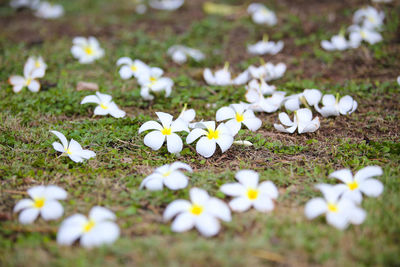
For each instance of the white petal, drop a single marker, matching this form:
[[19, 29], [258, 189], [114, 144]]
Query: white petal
[[87, 154], [165, 118], [209, 77], [285, 120], [225, 142], [176, 180], [51, 210], [371, 187], [179, 125], [253, 124], [61, 137], [345, 104], [175, 207], [234, 126], [313, 96], [54, 192], [315, 207], [90, 99], [150, 125], [343, 175], [263, 203], [68, 234], [99, 110], [338, 220], [206, 147], [124, 61], [233, 189], [207, 225], [195, 134], [225, 113], [153, 182], [23, 204], [183, 222], [126, 72], [218, 208], [174, 143], [198, 196], [58, 147], [102, 233], [368, 172], [76, 158], [99, 214], [357, 216], [248, 178], [28, 216], [292, 104], [268, 188], [74, 147], [36, 191], [240, 204], [179, 165], [154, 140]]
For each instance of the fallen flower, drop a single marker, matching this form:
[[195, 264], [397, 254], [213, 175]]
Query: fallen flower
[[43, 202], [131, 67], [267, 71], [86, 50], [249, 193], [180, 54], [261, 86], [168, 175], [359, 34], [243, 143], [201, 212], [259, 103], [166, 4], [369, 18], [334, 107], [34, 68], [72, 149], [303, 122], [105, 105], [187, 115], [97, 230], [223, 77], [48, 10], [309, 97], [265, 47], [337, 42], [238, 114], [153, 81], [261, 14]]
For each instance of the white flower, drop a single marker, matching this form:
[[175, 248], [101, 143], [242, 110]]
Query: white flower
[[97, 230], [34, 68], [303, 122], [223, 77], [359, 34], [131, 67], [187, 115], [166, 4], [166, 130], [47, 10], [339, 211], [207, 144], [259, 103], [267, 71], [265, 47], [249, 193], [201, 212], [334, 107], [86, 50], [337, 42], [153, 81], [24, 3], [43, 202], [72, 149], [180, 53], [261, 86], [236, 114], [168, 175], [361, 183], [369, 18], [309, 97], [398, 80], [261, 14], [105, 105]]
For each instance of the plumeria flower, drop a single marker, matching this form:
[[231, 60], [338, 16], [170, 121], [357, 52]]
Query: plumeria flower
[[105, 105], [334, 106], [48, 10], [201, 212], [249, 193], [44, 202], [210, 137], [310, 97], [187, 115], [72, 149], [166, 4], [337, 42], [180, 54], [86, 50], [267, 71], [131, 67], [238, 114], [24, 3], [153, 81], [361, 183], [259, 103], [303, 122], [265, 47], [369, 18], [168, 175], [340, 212], [34, 68], [262, 86], [261, 14], [97, 230], [359, 34], [166, 130], [223, 77]]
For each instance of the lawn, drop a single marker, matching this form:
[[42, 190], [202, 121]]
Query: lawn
[[294, 163]]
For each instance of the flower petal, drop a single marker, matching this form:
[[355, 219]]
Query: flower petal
[[218, 208], [28, 216], [176, 180], [248, 178], [62, 138], [175, 207], [225, 113], [371, 187], [198, 196], [99, 214], [206, 147], [174, 143], [263, 203], [240, 204], [154, 140], [233, 189], [150, 125], [315, 207], [207, 225], [183, 222], [343, 175], [51, 210], [268, 188], [23, 204], [367, 172]]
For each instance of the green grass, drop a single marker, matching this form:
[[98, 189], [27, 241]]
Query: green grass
[[294, 163]]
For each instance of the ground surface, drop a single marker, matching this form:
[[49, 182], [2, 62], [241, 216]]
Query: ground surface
[[294, 163]]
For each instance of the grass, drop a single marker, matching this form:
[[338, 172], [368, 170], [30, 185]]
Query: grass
[[294, 163]]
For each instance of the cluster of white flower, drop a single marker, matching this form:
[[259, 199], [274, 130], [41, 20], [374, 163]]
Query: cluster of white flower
[[265, 47], [169, 5], [368, 21], [341, 202], [260, 14], [34, 68], [180, 54], [43, 9]]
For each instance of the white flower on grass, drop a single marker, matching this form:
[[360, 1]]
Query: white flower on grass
[[34, 68], [223, 77], [105, 105], [259, 103], [361, 183], [168, 175], [249, 193], [261, 14], [334, 106], [166, 130], [99, 229], [180, 54], [265, 47], [303, 122], [210, 137], [131, 67], [86, 50], [24, 3], [238, 114], [267, 71], [261, 86], [340, 212], [166, 4], [48, 10], [72, 149], [369, 18], [44, 202], [187, 115], [201, 212], [309, 97], [359, 34], [337, 42], [153, 81]]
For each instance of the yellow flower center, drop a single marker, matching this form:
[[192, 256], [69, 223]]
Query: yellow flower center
[[88, 226], [28, 81], [37, 64], [89, 50], [239, 117], [252, 193], [165, 174], [212, 134], [333, 207], [371, 19], [363, 34], [196, 209], [103, 106], [133, 68], [353, 185], [68, 151], [166, 131], [39, 202], [153, 80]]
